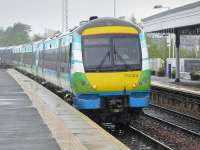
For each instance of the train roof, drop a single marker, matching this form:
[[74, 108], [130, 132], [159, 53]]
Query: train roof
[[106, 22], [38, 42], [99, 22]]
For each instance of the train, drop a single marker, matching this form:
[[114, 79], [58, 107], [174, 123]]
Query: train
[[102, 65]]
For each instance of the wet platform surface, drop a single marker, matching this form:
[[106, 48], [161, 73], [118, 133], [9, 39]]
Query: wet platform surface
[[72, 129], [21, 127]]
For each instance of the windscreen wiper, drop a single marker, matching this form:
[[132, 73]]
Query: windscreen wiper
[[103, 60]]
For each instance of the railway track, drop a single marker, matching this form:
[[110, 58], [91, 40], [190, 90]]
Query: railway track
[[175, 112], [169, 135], [175, 119], [174, 125], [157, 144], [135, 138]]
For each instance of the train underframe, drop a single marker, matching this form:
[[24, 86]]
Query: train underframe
[[117, 109], [104, 116]]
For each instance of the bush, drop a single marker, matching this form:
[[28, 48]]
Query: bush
[[194, 75], [173, 73], [161, 72]]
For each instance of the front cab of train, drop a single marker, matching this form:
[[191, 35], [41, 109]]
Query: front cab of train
[[110, 67]]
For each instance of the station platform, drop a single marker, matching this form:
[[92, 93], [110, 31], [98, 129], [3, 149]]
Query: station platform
[[186, 86], [21, 127], [60, 125]]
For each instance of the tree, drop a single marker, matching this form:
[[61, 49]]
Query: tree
[[122, 17], [19, 27], [15, 35], [185, 53], [133, 19], [37, 37], [157, 49], [1, 32]]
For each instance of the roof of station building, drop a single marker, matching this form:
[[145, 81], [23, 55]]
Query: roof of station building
[[187, 17]]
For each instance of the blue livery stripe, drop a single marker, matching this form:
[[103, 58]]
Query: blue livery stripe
[[76, 61]]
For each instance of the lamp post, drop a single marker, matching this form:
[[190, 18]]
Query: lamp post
[[115, 3], [64, 15]]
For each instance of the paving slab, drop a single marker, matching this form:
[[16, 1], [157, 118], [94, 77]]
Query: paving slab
[[21, 126]]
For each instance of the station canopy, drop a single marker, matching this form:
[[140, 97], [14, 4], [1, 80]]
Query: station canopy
[[185, 20]]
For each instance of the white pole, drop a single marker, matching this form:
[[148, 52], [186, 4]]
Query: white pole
[[63, 3], [114, 8], [64, 15]]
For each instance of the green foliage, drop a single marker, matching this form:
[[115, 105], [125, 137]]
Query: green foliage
[[133, 19], [194, 75], [1, 32], [122, 17], [161, 72], [185, 53], [157, 50], [14, 35], [160, 50], [173, 72], [37, 37]]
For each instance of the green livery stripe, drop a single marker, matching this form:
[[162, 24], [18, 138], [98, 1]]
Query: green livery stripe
[[80, 83], [144, 83]]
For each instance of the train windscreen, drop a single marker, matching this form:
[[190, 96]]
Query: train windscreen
[[111, 53]]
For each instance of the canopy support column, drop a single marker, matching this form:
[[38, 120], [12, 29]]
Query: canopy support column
[[177, 33]]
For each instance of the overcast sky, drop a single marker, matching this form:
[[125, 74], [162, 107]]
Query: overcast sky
[[41, 14]]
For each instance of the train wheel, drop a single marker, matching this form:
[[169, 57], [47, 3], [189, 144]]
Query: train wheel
[[68, 98]]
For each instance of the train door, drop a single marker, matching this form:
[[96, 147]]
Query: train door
[[32, 55], [42, 54], [37, 49], [70, 62], [22, 57], [58, 62], [64, 49]]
